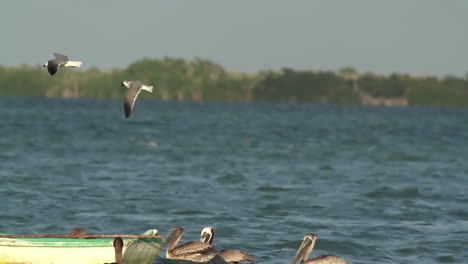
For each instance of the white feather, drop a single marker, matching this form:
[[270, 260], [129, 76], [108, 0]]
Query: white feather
[[72, 64], [147, 88]]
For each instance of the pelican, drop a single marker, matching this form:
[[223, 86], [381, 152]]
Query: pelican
[[118, 245], [228, 255], [60, 60], [193, 251], [118, 248], [306, 247], [77, 231]]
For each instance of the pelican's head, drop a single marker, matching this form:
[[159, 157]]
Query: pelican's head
[[77, 231], [305, 248], [175, 235], [312, 237], [118, 242], [207, 235]]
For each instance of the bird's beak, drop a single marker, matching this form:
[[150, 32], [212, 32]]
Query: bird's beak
[[304, 244], [169, 238], [122, 84]]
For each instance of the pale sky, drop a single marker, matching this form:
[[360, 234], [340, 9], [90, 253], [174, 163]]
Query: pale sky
[[406, 36]]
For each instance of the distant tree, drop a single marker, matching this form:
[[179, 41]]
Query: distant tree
[[347, 70]]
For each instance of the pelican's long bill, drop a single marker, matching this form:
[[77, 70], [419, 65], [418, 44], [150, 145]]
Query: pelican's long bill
[[306, 246], [175, 233]]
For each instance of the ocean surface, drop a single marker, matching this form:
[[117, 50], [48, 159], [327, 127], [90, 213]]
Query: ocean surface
[[376, 184]]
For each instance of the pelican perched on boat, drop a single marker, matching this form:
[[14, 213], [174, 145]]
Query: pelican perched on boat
[[307, 246], [193, 251], [228, 255], [77, 231], [118, 245], [118, 248]]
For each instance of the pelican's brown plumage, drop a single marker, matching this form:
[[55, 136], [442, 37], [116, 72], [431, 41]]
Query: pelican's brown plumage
[[118, 245], [228, 255], [306, 247], [194, 251], [77, 231]]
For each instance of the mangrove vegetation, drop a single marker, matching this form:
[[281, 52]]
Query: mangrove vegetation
[[202, 80]]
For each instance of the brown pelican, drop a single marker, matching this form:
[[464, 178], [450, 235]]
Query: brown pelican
[[306, 247], [193, 251], [228, 255], [118, 245], [118, 248]]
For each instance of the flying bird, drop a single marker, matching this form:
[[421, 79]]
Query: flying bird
[[134, 88], [307, 246], [60, 60]]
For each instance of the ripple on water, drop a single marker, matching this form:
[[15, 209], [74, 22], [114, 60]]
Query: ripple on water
[[231, 178], [402, 156], [188, 212], [271, 188], [389, 192], [461, 214], [446, 259]]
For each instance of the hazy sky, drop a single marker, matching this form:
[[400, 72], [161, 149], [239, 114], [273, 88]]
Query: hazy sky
[[408, 36]]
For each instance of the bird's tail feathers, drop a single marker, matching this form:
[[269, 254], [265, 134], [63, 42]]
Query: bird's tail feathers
[[73, 64], [147, 88]]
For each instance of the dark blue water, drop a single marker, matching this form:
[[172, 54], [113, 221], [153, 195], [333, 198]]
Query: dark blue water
[[378, 185]]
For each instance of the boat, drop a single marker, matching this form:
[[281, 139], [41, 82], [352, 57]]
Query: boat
[[78, 249]]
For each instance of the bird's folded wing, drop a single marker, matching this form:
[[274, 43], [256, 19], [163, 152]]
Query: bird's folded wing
[[194, 247], [130, 99], [233, 255]]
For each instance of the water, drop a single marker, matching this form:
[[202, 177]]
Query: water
[[378, 185]]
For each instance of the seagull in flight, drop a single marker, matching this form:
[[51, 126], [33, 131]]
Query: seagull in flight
[[60, 60], [134, 88]]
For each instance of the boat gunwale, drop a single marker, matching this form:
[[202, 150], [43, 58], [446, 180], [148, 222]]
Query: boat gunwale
[[7, 240], [2, 235]]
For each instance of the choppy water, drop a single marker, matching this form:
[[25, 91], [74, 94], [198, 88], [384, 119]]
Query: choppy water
[[378, 185]]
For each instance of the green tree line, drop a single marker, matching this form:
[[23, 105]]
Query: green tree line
[[203, 80]]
